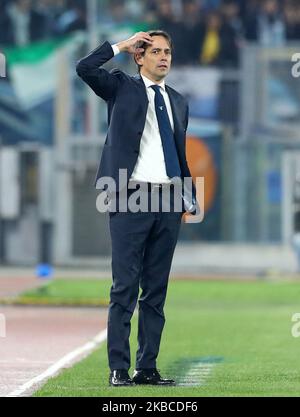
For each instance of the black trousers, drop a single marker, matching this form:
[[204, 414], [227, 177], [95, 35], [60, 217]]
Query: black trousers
[[143, 245]]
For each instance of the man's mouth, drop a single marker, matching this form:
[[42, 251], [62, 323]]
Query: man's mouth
[[162, 66]]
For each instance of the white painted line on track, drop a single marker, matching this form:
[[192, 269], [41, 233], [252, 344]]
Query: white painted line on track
[[65, 361]]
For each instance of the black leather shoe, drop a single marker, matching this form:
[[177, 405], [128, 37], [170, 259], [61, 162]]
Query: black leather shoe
[[119, 378], [150, 376]]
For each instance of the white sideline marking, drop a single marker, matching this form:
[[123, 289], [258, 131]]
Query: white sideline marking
[[67, 360], [197, 375], [10, 362]]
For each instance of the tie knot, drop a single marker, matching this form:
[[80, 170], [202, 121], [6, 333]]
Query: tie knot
[[156, 88]]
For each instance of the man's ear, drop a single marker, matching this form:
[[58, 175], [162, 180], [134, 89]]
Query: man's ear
[[137, 58]]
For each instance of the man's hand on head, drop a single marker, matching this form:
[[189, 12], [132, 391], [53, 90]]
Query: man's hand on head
[[130, 45]]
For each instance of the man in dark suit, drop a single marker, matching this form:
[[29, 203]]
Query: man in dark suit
[[146, 137]]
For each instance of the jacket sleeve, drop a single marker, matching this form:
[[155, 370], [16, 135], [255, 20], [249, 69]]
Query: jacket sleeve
[[104, 83]]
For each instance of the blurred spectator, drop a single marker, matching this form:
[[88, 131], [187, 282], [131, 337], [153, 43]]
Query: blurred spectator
[[116, 13], [292, 20], [137, 10], [58, 8], [267, 26], [186, 30], [52, 10], [6, 32], [223, 36], [249, 8], [45, 8], [211, 48], [192, 31], [164, 15], [211, 4], [166, 20], [230, 10], [21, 24], [232, 33], [72, 18]]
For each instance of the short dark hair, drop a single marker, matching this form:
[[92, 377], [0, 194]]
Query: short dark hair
[[145, 45]]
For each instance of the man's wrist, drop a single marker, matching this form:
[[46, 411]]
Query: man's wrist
[[122, 46], [116, 49]]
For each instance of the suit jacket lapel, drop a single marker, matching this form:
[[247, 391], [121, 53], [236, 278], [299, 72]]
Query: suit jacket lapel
[[143, 94], [177, 117]]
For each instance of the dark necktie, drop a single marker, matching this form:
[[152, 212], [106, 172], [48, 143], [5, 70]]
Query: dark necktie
[[166, 134]]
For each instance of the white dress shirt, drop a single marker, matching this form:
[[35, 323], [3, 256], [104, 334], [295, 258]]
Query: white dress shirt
[[150, 165]]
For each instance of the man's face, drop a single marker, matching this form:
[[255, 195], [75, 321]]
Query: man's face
[[156, 61]]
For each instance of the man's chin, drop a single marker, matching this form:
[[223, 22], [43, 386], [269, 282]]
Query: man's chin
[[162, 74]]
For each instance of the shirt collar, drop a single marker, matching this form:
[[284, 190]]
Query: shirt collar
[[148, 83]]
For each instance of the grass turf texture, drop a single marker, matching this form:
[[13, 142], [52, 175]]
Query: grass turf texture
[[60, 292], [247, 324]]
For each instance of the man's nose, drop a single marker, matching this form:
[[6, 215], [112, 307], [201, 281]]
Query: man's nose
[[164, 55]]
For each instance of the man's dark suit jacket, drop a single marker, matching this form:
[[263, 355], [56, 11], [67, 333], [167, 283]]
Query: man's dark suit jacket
[[127, 102]]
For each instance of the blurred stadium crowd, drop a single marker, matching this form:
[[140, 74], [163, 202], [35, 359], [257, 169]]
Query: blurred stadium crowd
[[205, 32]]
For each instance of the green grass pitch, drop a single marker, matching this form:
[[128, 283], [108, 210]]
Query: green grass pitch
[[241, 329]]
